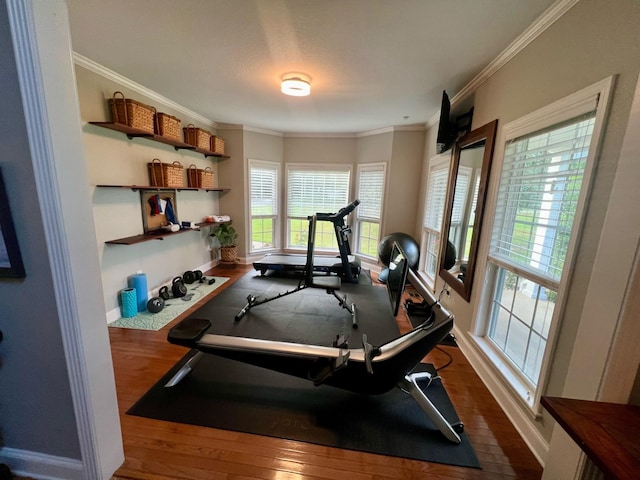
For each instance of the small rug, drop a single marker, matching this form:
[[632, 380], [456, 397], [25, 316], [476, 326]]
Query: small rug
[[173, 307]]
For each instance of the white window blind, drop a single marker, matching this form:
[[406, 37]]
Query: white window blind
[[538, 196], [312, 190], [436, 196], [370, 192], [264, 190], [461, 194]]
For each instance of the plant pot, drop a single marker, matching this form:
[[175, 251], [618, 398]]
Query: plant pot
[[229, 253]]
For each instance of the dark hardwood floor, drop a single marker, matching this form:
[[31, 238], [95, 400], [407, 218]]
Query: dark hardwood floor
[[163, 450]]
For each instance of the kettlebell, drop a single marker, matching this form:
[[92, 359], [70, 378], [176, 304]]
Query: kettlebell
[[178, 287], [155, 304], [189, 277], [163, 293]]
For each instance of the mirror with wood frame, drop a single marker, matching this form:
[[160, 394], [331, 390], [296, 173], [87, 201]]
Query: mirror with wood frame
[[466, 195]]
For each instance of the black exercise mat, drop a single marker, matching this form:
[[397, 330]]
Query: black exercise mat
[[230, 395]]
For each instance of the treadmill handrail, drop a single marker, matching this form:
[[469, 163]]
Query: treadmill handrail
[[343, 212]]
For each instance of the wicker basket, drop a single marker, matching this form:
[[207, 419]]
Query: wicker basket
[[132, 113], [165, 174], [167, 126], [199, 178], [229, 253], [197, 137], [217, 145]]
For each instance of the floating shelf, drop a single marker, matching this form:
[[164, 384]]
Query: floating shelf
[[149, 187], [147, 237], [131, 132]]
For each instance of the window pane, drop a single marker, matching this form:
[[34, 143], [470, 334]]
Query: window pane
[[431, 254], [369, 233], [520, 318], [262, 233]]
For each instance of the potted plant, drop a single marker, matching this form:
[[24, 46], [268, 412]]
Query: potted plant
[[227, 236]]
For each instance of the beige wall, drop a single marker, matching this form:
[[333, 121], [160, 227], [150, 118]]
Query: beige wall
[[113, 159], [594, 40]]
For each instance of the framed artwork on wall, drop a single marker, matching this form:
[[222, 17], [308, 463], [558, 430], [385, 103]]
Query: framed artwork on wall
[[10, 258]]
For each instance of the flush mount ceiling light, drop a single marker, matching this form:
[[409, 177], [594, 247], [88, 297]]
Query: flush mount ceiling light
[[296, 84]]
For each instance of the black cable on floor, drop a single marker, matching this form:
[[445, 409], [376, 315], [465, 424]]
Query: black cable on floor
[[449, 362]]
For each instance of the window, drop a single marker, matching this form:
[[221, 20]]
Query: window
[[433, 211], [312, 189], [369, 213], [546, 167], [263, 187]]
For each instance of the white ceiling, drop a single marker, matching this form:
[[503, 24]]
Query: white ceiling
[[373, 63]]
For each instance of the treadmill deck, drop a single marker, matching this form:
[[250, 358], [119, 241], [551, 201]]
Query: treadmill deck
[[296, 262]]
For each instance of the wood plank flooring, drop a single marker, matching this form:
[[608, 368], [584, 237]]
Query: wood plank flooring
[[169, 451]]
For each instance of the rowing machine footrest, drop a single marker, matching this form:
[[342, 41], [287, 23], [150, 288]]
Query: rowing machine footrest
[[188, 331]]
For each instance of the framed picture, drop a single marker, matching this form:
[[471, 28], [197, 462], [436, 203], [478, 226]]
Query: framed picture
[[10, 258]]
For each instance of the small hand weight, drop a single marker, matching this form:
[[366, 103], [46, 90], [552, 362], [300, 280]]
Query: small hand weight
[[178, 287], [155, 304]]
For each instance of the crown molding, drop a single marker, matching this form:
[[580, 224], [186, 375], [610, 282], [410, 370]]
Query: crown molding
[[542, 23], [109, 74], [319, 135]]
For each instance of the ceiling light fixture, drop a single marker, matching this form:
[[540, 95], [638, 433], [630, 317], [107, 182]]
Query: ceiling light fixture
[[296, 84]]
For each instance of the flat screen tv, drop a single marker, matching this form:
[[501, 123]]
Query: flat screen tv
[[398, 270], [446, 129]]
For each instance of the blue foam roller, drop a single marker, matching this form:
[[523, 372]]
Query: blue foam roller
[[139, 282], [129, 301]]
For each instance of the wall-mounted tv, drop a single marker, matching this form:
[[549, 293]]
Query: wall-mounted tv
[[449, 130], [446, 130], [398, 270]]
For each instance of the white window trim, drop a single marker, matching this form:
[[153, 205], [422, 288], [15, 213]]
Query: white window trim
[[564, 109], [285, 207], [434, 163], [278, 219], [356, 233]]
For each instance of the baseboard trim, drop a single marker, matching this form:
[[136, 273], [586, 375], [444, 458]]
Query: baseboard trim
[[41, 466], [522, 421]]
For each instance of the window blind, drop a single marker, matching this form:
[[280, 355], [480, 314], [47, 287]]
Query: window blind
[[436, 196], [312, 190], [370, 192], [264, 190], [461, 195], [540, 185]]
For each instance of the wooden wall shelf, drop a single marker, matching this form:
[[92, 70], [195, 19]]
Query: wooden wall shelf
[[131, 133], [160, 189], [147, 237]]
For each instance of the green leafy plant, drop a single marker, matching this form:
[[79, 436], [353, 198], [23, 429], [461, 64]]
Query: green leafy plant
[[226, 234]]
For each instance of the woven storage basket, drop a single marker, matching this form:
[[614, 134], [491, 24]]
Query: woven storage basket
[[197, 137], [229, 253], [132, 113], [217, 145], [199, 178], [168, 126], [165, 174], [206, 177]]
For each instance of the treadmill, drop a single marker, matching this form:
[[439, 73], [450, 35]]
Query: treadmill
[[345, 265]]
